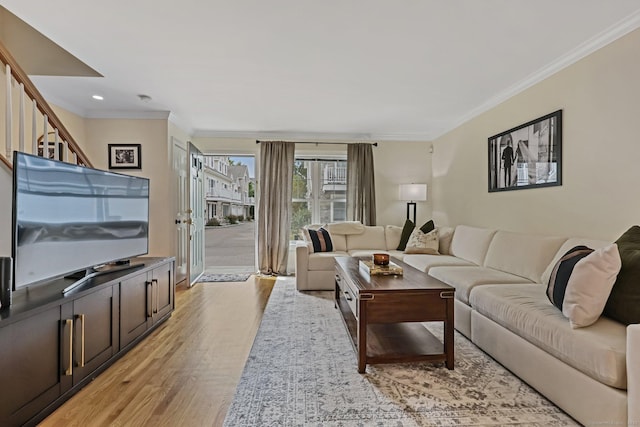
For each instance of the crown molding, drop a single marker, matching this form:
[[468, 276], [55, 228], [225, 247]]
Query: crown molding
[[599, 41], [182, 124], [313, 136]]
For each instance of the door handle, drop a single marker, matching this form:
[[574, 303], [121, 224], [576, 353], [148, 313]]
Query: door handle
[[149, 286], [81, 318], [69, 370], [157, 303]]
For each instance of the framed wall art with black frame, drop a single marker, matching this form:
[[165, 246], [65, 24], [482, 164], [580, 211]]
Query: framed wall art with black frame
[[527, 156], [125, 156]]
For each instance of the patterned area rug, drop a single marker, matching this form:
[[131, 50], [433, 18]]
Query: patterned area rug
[[302, 371], [207, 277]]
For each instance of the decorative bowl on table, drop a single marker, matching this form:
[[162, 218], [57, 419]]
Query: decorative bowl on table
[[381, 259]]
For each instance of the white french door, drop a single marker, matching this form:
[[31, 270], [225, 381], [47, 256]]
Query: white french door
[[196, 212], [180, 173]]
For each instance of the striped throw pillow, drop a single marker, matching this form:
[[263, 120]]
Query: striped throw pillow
[[562, 272], [320, 239]]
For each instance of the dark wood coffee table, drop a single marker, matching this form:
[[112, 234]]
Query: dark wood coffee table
[[382, 314]]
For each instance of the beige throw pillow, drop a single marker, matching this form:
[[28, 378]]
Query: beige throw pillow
[[421, 243], [589, 286]]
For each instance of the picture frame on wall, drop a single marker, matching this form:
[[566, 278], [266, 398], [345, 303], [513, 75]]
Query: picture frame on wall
[[527, 156], [51, 150], [125, 156], [51, 143]]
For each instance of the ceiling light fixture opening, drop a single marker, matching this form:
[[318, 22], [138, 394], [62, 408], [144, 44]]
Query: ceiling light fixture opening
[[144, 98], [98, 97]]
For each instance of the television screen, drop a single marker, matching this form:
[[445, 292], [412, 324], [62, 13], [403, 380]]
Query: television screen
[[68, 218]]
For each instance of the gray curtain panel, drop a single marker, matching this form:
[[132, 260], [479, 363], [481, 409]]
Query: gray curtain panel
[[276, 178], [361, 187]]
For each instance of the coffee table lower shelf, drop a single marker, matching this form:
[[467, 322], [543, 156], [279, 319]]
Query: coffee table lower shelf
[[393, 342]]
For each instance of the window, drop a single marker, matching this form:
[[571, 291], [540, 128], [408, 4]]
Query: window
[[319, 193]]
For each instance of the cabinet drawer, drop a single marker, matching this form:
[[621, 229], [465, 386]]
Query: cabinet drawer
[[348, 293], [407, 307]]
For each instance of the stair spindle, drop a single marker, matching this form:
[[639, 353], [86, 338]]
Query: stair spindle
[[45, 138], [8, 114], [34, 128]]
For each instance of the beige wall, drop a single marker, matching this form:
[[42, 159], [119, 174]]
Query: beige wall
[[74, 124], [599, 96], [153, 136], [395, 163]]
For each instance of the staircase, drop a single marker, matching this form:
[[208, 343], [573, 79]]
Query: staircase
[[29, 123]]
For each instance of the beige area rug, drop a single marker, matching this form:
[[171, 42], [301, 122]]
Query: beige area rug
[[302, 371]]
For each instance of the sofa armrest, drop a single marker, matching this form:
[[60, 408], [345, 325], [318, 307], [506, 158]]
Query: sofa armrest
[[302, 266], [633, 374]]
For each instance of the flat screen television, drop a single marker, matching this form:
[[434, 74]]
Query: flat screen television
[[69, 219]]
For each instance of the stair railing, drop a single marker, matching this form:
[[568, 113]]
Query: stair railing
[[44, 120]]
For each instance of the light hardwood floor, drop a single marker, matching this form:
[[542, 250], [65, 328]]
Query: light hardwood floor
[[185, 373]]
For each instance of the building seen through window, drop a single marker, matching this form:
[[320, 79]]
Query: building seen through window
[[319, 193]]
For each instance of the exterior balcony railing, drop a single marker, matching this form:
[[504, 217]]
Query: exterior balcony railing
[[334, 175]]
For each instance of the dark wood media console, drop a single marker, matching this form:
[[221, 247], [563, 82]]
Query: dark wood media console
[[51, 344]]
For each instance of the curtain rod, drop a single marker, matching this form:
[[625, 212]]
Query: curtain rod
[[375, 144]]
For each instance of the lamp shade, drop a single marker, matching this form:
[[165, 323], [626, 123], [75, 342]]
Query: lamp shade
[[413, 192]]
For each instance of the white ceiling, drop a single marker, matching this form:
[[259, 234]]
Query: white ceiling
[[358, 69]]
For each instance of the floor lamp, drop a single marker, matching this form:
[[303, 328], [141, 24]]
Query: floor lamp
[[413, 193]]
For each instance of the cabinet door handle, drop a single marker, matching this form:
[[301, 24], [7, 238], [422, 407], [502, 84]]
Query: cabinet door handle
[[81, 317], [155, 309], [69, 370], [348, 296], [149, 298]]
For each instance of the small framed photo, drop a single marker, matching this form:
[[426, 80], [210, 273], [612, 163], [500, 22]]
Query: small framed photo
[[51, 150], [125, 156], [527, 156]]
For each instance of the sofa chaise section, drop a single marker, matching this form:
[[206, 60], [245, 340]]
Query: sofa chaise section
[[593, 373]]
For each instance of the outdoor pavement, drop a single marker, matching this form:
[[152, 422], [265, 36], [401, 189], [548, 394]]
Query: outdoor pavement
[[230, 249]]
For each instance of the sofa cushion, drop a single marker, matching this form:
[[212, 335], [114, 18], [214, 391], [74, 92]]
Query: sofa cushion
[[371, 238], [319, 240], [561, 273], [424, 262], [422, 243], [624, 302], [471, 243], [525, 255], [599, 351], [464, 279], [568, 244], [346, 227], [392, 235], [339, 241], [445, 235], [407, 229], [428, 227], [590, 285], [324, 260]]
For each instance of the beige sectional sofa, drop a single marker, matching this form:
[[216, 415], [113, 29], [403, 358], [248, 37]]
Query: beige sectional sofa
[[592, 373]]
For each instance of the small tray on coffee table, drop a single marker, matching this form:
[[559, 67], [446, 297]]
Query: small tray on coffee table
[[391, 269]]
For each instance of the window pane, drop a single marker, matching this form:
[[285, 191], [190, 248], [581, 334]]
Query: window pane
[[300, 216], [301, 180], [319, 193]]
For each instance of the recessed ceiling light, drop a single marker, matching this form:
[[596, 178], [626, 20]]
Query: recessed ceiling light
[[98, 97], [144, 98]]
